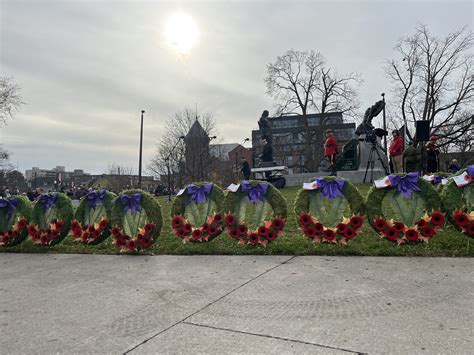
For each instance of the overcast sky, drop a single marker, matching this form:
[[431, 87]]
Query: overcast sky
[[87, 68]]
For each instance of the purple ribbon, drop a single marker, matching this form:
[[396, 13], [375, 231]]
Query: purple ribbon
[[331, 189], [437, 179], [199, 194], [131, 203], [255, 193], [405, 184], [48, 201], [9, 204], [96, 197], [470, 170]]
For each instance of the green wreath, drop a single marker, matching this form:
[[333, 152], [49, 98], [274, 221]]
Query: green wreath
[[246, 213], [91, 223], [51, 219], [194, 212], [137, 227], [15, 213], [320, 216]]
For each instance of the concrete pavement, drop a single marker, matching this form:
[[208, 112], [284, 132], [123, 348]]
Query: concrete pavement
[[235, 304]]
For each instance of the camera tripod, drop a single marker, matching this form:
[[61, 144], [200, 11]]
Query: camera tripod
[[374, 150]]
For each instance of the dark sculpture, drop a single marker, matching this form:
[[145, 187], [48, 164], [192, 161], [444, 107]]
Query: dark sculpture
[[366, 126], [265, 127]]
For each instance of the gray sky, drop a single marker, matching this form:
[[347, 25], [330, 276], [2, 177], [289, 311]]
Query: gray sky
[[87, 68]]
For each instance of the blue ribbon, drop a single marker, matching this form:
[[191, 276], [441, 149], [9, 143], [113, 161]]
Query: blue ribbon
[[470, 170], [405, 184], [48, 201], [255, 193], [199, 194], [330, 189], [131, 203], [9, 204], [437, 179], [96, 197]]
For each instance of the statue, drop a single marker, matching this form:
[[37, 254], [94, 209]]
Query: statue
[[366, 126], [265, 127]]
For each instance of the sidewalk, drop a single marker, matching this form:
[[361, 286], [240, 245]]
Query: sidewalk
[[231, 304]]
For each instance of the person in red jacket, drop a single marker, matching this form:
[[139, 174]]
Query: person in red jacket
[[396, 152], [330, 150]]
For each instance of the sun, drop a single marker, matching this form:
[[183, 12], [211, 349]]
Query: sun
[[181, 32]]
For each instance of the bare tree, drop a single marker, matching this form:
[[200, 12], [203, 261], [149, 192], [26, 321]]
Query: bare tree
[[172, 146], [300, 82], [10, 99], [433, 79], [5, 165], [118, 169]]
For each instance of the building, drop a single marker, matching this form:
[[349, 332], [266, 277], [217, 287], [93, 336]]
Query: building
[[226, 162], [56, 177], [197, 152], [289, 139]]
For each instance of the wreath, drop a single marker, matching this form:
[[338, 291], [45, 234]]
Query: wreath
[[91, 224], [51, 218], [256, 212], [15, 213], [136, 219], [197, 205], [458, 200], [321, 207], [404, 208]]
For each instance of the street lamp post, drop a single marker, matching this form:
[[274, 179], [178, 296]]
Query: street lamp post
[[140, 155], [167, 160]]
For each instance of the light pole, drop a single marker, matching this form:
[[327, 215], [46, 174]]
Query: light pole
[[140, 155], [167, 160]]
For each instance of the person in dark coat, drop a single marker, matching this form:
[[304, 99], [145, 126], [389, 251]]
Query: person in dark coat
[[432, 155], [454, 167], [245, 168], [410, 156]]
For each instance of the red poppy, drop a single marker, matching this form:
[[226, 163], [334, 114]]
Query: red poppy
[[380, 224], [75, 224], [77, 232], [32, 229], [460, 218], [103, 224], [85, 235], [437, 218], [15, 234], [131, 245], [205, 227], [350, 233], [59, 225], [356, 222], [470, 228], [140, 238], [212, 230], [217, 217], [229, 219], [262, 231], [44, 239], [305, 219], [177, 222], [96, 233], [196, 234], [53, 234], [310, 232], [91, 229], [188, 228], [399, 226], [319, 228], [243, 229], [115, 231], [342, 228], [179, 232], [392, 233], [253, 238], [427, 231], [121, 242], [234, 233], [149, 228], [271, 236], [278, 224], [411, 234], [421, 223], [146, 242], [21, 223], [329, 234]]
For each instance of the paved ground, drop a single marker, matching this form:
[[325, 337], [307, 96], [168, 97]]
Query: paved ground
[[235, 304]]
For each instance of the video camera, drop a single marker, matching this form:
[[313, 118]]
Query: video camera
[[376, 132]]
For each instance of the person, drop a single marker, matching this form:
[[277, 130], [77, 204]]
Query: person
[[331, 150], [432, 155], [411, 158], [396, 152], [245, 168], [454, 167]]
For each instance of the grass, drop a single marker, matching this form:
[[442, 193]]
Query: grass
[[450, 242]]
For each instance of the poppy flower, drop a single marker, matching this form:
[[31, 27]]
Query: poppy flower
[[243, 229], [120, 242], [59, 225], [53, 234], [217, 217], [329, 234], [460, 218], [427, 231], [380, 224], [21, 223], [103, 224], [146, 242], [278, 224], [179, 232], [421, 223], [131, 245], [399, 226], [77, 232], [212, 230], [15, 234], [253, 238], [437, 218], [271, 236], [149, 228], [96, 233], [262, 231], [140, 238], [229, 219], [115, 231], [305, 219], [391, 233], [342, 228], [32, 229], [91, 229], [310, 232], [411, 234], [319, 228], [234, 233], [187, 228], [44, 239], [356, 222], [350, 233], [196, 234], [205, 227], [177, 221]]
